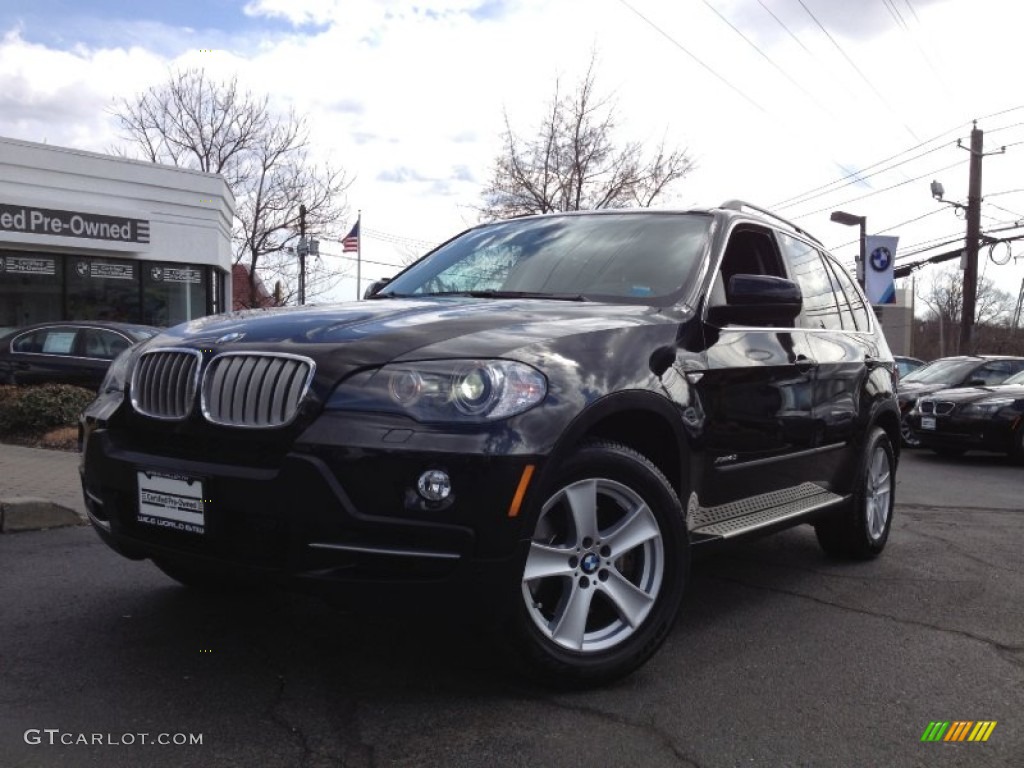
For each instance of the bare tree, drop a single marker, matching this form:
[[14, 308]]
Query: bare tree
[[574, 161], [193, 122], [944, 296]]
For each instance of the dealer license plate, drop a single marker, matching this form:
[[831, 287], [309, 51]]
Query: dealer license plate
[[175, 502], [927, 422]]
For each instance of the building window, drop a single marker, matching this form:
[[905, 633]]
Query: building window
[[30, 288], [172, 293], [102, 289]]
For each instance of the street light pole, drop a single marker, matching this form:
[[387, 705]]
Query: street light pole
[[850, 220]]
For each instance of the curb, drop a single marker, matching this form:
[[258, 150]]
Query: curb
[[26, 513]]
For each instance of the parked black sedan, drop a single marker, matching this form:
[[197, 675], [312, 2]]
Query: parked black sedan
[[76, 352], [947, 373], [954, 421]]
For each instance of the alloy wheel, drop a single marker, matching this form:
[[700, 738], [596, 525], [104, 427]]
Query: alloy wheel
[[595, 567]]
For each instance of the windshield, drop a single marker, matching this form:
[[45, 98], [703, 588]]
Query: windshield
[[948, 372], [646, 258]]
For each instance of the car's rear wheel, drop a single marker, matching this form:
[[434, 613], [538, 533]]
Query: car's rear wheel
[[862, 529], [605, 570]]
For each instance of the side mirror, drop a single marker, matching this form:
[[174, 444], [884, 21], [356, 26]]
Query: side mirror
[[758, 300], [375, 286]]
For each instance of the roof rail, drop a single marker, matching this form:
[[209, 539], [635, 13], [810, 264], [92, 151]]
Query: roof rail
[[739, 205]]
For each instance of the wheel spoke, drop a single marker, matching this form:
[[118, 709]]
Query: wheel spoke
[[629, 600], [874, 526], [572, 624], [545, 561], [636, 528], [880, 470], [582, 499]]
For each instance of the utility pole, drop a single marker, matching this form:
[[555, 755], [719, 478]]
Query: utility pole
[[303, 249], [971, 245], [973, 237]]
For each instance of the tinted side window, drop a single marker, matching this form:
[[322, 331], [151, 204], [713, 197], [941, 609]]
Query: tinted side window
[[807, 268], [993, 373], [48, 341], [102, 344], [854, 298]]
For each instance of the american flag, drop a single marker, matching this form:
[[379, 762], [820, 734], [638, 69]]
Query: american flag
[[351, 242]]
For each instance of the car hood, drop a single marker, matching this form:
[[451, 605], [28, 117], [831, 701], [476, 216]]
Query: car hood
[[344, 337], [914, 389], [970, 394]]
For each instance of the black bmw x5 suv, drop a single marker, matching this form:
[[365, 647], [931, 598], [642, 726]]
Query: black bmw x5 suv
[[538, 421]]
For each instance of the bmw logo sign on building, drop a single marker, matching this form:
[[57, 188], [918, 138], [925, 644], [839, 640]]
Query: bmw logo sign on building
[[878, 280]]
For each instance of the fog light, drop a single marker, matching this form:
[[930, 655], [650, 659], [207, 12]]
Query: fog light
[[434, 485]]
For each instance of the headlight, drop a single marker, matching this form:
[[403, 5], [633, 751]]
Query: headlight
[[986, 407], [444, 391], [119, 370]]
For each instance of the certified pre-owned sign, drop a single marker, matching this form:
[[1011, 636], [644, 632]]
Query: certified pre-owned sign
[[47, 221]]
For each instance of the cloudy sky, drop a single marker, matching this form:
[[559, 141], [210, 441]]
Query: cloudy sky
[[807, 106]]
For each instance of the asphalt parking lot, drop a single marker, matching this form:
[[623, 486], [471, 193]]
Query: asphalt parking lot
[[781, 658]]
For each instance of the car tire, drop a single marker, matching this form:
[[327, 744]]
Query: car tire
[[605, 571], [907, 436], [203, 579], [860, 532]]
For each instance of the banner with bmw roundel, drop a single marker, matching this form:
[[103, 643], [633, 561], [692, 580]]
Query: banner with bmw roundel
[[879, 259]]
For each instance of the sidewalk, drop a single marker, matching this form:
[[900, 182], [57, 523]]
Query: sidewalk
[[39, 488]]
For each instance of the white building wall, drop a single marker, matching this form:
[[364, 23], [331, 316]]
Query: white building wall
[[189, 212]]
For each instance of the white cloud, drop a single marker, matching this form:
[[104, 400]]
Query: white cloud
[[409, 97]]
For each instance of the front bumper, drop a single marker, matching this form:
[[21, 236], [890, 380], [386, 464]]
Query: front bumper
[[964, 433], [341, 520]]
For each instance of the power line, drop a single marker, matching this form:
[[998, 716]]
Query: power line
[[891, 227], [901, 22], [376, 234], [935, 138], [857, 69], [879, 191], [861, 177], [790, 33], [911, 7], [1005, 210], [787, 201], [699, 61], [769, 59]]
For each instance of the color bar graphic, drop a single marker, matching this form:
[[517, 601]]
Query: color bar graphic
[[958, 730]]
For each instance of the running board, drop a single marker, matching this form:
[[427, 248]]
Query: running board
[[740, 517]]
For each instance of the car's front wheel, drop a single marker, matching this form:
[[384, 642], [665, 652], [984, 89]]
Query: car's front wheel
[[909, 439], [862, 529], [605, 570]]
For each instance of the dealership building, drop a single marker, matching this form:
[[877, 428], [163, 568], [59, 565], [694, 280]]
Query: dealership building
[[87, 236]]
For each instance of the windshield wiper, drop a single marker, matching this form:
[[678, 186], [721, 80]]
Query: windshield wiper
[[492, 294]]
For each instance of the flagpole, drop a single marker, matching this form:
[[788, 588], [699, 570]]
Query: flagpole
[[359, 256]]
